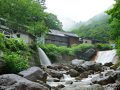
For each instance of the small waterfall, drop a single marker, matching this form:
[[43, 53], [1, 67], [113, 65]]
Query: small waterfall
[[106, 56], [44, 60]]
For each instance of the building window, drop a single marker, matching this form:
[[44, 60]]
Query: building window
[[7, 36], [18, 35], [85, 41]]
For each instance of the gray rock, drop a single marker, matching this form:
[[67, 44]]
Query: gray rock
[[108, 64], [84, 74], [73, 73], [86, 54], [56, 74], [60, 86], [113, 76], [83, 87], [15, 82], [91, 65], [105, 80], [50, 79], [113, 86], [90, 53], [79, 68], [69, 82], [34, 74], [77, 62]]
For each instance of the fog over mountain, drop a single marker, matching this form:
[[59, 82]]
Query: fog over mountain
[[96, 28], [67, 23]]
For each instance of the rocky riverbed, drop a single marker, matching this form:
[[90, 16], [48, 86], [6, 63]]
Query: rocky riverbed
[[79, 75]]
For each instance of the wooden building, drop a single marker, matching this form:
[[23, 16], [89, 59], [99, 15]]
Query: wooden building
[[12, 33], [60, 38]]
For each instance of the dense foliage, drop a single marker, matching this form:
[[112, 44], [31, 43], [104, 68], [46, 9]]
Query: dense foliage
[[102, 47], [27, 15], [96, 28], [52, 22], [16, 54], [54, 51], [115, 24]]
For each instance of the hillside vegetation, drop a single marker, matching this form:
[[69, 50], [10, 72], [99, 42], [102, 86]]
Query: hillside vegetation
[[96, 28]]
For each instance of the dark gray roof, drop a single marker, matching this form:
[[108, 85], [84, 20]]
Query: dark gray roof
[[61, 33], [3, 27]]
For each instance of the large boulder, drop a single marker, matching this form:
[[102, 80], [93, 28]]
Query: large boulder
[[86, 55], [34, 74], [15, 82], [91, 65], [90, 53], [111, 78], [77, 62], [104, 81], [78, 68]]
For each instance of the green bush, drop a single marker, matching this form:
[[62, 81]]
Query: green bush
[[64, 50], [14, 63], [52, 51], [101, 46], [15, 44], [82, 47], [16, 54]]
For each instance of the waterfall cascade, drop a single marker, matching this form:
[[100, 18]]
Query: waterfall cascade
[[106, 56], [44, 60]]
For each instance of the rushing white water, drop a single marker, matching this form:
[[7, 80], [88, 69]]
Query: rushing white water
[[62, 81], [44, 60], [106, 56], [88, 80], [67, 78]]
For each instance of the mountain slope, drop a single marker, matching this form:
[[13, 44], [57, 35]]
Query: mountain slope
[[96, 28]]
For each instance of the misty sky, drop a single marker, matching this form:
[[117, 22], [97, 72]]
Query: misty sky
[[69, 11]]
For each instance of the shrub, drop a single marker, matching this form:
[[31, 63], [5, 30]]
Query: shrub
[[14, 63], [101, 46], [82, 47], [16, 54], [15, 44], [64, 50]]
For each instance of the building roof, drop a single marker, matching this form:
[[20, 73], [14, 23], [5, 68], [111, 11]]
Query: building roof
[[62, 33]]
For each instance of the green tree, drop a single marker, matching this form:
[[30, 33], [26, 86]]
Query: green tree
[[42, 3], [115, 23], [23, 12], [52, 22], [114, 20]]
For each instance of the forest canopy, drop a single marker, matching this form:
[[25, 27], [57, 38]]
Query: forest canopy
[[96, 28], [28, 13]]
